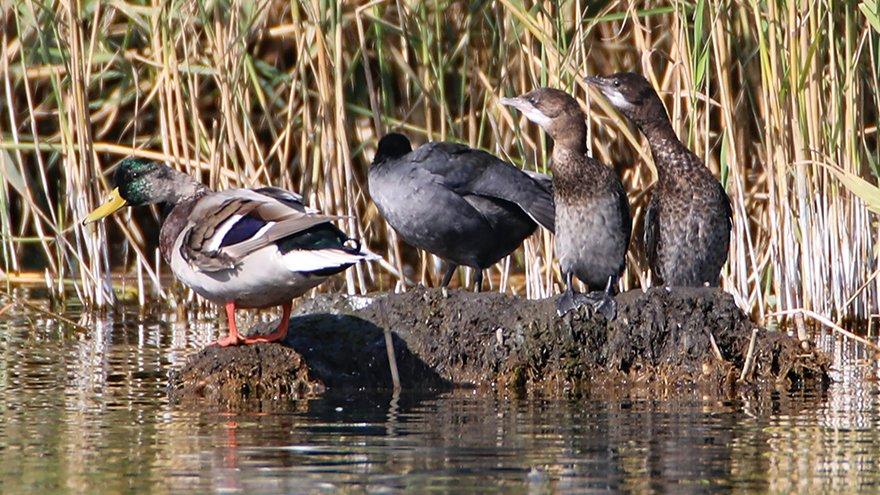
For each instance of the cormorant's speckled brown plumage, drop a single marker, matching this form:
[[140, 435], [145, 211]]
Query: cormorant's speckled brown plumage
[[688, 219], [593, 222]]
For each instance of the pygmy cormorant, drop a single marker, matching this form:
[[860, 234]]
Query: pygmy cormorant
[[688, 219], [593, 222]]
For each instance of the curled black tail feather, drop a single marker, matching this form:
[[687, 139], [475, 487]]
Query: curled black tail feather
[[349, 249]]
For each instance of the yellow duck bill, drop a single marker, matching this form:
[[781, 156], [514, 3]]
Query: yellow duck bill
[[114, 203]]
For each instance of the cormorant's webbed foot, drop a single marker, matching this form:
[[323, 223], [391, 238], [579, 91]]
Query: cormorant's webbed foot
[[598, 301], [602, 302], [566, 301], [570, 301]]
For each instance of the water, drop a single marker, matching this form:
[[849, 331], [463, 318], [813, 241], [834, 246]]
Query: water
[[87, 412]]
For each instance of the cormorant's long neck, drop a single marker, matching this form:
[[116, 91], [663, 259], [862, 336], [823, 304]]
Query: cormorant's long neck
[[563, 162], [569, 132], [571, 164], [666, 148]]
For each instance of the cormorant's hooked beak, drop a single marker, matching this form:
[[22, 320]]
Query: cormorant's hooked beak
[[597, 81], [509, 102], [114, 203], [606, 86], [603, 84], [524, 106]]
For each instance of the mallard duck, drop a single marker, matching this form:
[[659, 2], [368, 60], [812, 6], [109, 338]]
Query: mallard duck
[[241, 248], [463, 205], [593, 222], [688, 218]]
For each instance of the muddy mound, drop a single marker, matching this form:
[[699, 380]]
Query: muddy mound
[[441, 339], [244, 375]]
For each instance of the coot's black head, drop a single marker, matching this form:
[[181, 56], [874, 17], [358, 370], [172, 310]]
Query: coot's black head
[[392, 146], [632, 95], [557, 112]]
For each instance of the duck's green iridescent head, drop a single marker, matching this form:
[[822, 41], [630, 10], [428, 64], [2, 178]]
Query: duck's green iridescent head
[[142, 182], [139, 181]]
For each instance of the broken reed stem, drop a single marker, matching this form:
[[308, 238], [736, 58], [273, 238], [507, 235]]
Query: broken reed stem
[[830, 324], [750, 357], [392, 360], [715, 348], [801, 328]]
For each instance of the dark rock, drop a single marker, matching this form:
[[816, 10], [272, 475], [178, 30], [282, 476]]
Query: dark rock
[[442, 339]]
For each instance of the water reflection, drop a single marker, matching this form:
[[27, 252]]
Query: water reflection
[[82, 411]]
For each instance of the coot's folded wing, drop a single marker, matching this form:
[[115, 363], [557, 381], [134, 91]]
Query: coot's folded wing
[[469, 171]]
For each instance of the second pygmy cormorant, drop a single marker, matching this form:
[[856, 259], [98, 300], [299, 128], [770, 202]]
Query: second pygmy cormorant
[[593, 223], [688, 219], [464, 205]]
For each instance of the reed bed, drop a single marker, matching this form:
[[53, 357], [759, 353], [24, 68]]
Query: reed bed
[[779, 98]]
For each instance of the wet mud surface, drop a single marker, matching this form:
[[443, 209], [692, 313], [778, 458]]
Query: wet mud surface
[[660, 338]]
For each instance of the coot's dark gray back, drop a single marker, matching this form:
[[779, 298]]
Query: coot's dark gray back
[[461, 204]]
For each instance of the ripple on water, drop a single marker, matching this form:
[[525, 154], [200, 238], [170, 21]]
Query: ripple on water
[[82, 411]]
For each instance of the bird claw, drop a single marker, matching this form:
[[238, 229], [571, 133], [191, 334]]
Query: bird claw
[[231, 340], [227, 341], [607, 306], [565, 303], [597, 302], [275, 336]]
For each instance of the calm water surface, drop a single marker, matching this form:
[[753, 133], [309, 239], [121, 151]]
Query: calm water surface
[[86, 412]]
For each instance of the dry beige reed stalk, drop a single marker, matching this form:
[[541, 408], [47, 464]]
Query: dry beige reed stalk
[[296, 94]]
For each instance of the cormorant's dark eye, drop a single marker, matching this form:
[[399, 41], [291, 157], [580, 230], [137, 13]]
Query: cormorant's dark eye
[[617, 83], [533, 100]]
